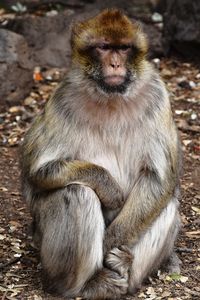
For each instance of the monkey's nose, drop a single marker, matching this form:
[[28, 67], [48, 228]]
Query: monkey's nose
[[115, 65]]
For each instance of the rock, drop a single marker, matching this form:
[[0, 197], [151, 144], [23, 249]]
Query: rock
[[16, 67], [182, 28], [154, 35], [157, 18], [48, 37]]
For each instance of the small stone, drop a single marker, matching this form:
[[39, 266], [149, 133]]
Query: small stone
[[29, 101], [51, 13], [15, 109], [198, 76], [193, 116], [157, 18], [17, 255], [156, 62], [18, 118], [192, 84]]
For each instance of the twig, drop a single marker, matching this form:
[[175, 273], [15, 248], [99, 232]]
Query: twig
[[195, 277], [187, 250], [10, 262], [4, 295], [188, 129]]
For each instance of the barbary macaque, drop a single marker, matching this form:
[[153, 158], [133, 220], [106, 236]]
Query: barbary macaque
[[101, 166]]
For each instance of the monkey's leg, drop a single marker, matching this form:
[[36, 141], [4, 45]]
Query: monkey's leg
[[155, 246], [72, 227]]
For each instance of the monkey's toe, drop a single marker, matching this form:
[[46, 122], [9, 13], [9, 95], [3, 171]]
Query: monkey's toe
[[120, 283]]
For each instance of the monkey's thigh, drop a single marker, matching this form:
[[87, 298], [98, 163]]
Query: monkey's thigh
[[72, 242], [155, 245]]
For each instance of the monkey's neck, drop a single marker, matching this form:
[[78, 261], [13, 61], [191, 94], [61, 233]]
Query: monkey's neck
[[90, 104]]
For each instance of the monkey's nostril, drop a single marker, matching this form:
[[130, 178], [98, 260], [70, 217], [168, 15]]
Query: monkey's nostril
[[115, 66]]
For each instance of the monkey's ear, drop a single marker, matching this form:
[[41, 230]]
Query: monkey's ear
[[81, 35], [75, 32], [141, 39]]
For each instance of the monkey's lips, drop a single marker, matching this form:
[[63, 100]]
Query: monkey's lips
[[114, 79]]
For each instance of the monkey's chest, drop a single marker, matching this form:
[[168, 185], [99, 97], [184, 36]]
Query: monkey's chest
[[116, 162]]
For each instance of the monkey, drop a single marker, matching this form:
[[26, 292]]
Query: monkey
[[101, 166]]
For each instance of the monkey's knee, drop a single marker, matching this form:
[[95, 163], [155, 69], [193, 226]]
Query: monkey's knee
[[71, 249]]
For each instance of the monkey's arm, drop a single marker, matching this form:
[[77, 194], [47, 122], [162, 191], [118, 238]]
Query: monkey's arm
[[60, 173], [46, 166], [151, 193]]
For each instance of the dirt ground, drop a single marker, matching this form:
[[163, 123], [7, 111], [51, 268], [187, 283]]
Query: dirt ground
[[19, 263]]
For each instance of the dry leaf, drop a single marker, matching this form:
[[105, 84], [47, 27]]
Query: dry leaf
[[2, 237], [190, 233], [196, 209], [3, 189]]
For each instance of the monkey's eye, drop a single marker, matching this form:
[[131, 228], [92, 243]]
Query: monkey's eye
[[103, 47], [125, 47]]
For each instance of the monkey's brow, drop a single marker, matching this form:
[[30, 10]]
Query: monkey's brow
[[112, 46]]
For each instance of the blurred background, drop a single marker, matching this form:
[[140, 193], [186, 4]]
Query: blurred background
[[34, 56]]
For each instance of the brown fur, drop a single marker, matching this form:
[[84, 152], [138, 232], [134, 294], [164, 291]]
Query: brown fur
[[101, 166], [110, 26]]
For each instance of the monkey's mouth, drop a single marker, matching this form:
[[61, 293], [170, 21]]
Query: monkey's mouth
[[114, 80], [113, 83]]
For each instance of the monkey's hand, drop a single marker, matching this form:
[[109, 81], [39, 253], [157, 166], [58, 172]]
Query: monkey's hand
[[120, 260], [149, 196]]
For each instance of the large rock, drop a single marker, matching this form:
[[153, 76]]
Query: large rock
[[182, 27], [154, 35], [48, 37], [16, 67]]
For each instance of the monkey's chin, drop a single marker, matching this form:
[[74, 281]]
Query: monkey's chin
[[113, 84], [113, 87]]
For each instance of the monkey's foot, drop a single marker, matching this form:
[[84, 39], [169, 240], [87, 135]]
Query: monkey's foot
[[120, 260], [173, 264], [106, 284], [110, 282]]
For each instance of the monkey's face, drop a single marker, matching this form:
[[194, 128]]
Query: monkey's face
[[110, 50], [111, 68]]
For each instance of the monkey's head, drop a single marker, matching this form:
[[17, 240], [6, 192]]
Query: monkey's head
[[110, 49]]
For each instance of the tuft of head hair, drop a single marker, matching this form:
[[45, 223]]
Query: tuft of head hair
[[112, 26]]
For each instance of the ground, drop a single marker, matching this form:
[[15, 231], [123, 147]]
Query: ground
[[19, 265]]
